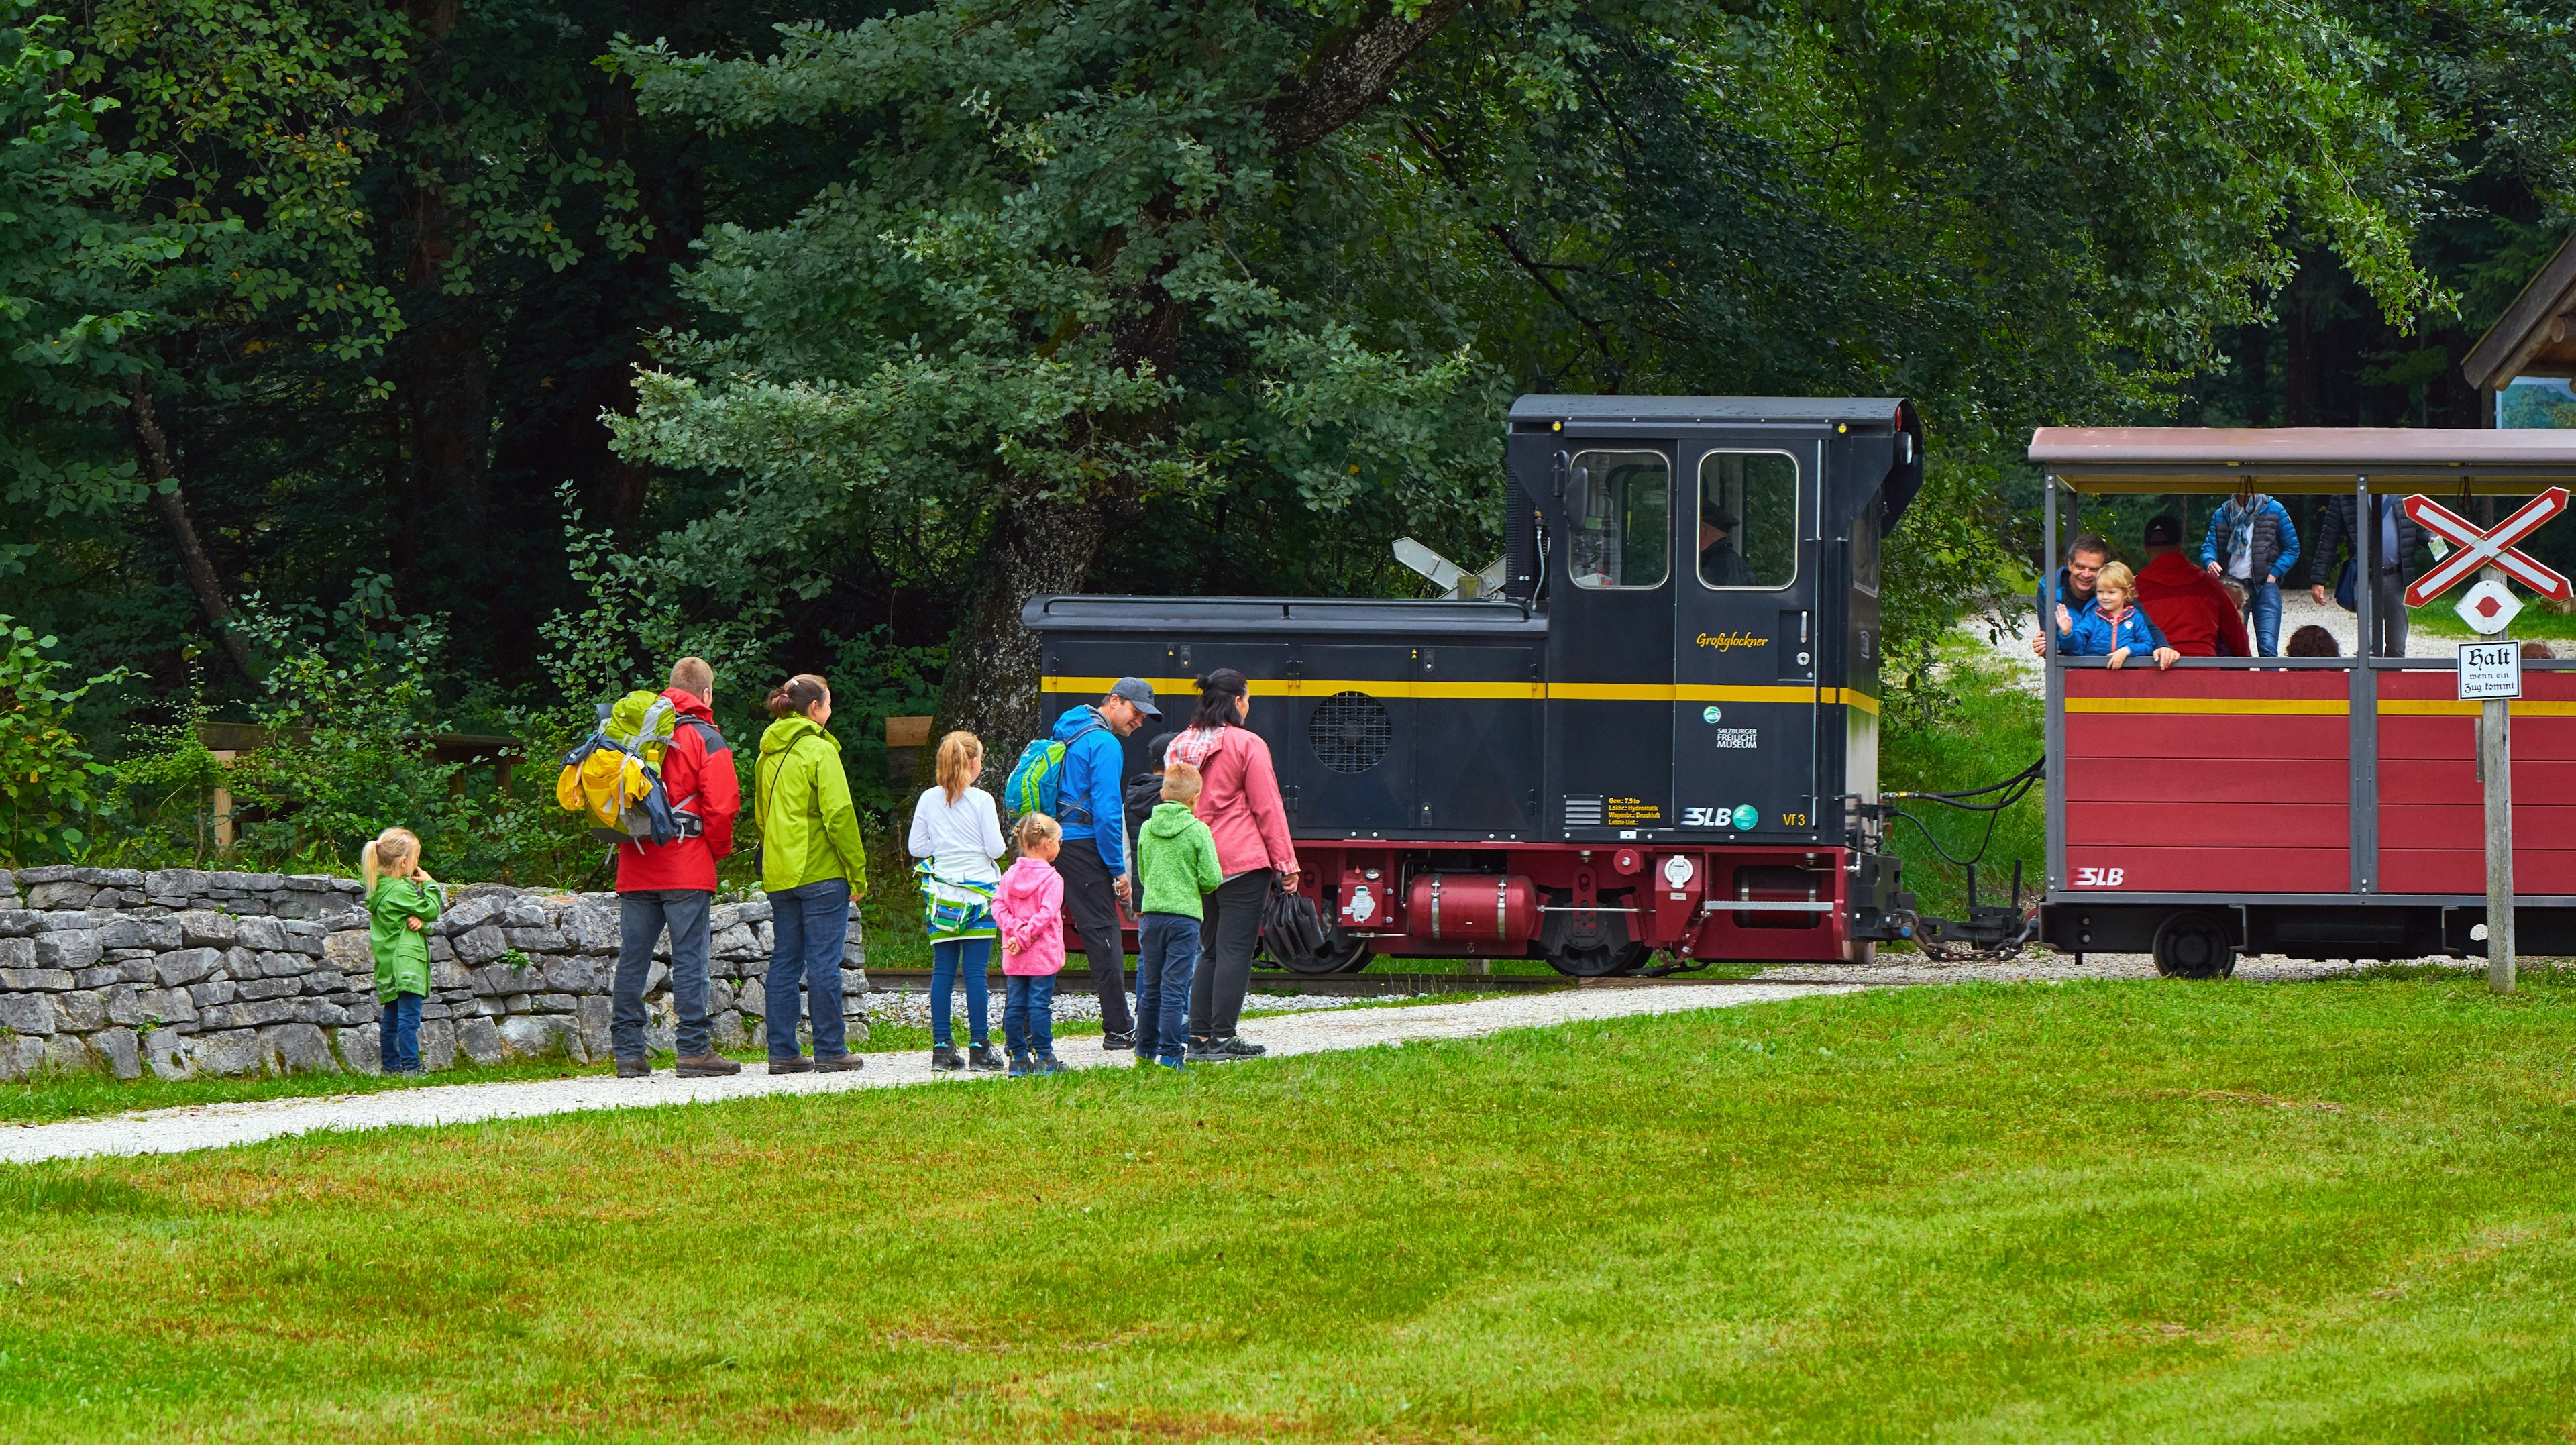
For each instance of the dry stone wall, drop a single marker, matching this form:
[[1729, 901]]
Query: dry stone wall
[[187, 973]]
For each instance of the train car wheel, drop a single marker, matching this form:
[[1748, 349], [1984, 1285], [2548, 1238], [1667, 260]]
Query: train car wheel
[[2194, 945], [1599, 960]]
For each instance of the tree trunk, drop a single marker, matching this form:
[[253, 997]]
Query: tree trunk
[[991, 689], [194, 563]]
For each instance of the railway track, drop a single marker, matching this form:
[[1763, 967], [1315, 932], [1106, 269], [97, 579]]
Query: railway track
[[1368, 985]]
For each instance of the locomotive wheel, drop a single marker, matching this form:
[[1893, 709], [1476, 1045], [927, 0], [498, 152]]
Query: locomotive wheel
[[1601, 960], [2194, 945]]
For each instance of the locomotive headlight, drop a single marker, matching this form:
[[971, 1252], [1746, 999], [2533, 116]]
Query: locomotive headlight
[[1677, 871]]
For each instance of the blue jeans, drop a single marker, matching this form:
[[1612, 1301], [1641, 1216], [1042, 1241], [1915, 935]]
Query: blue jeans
[[950, 960], [1167, 955], [1028, 1014], [398, 1034], [641, 917], [812, 925], [2263, 605]]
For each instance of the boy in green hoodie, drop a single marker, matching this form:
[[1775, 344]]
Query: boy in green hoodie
[[1175, 866]]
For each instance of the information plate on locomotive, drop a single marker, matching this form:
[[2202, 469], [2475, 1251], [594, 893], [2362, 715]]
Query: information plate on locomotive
[[2490, 670]]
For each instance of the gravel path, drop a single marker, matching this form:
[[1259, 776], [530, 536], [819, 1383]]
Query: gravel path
[[211, 1126]]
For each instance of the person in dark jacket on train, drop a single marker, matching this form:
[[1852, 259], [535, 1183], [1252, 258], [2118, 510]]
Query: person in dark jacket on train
[[2392, 559]]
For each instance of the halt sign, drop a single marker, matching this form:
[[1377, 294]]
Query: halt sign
[[2490, 669]]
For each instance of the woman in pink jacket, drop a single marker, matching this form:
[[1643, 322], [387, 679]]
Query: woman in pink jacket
[[1239, 801]]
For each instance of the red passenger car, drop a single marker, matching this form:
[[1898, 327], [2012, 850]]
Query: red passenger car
[[2316, 808]]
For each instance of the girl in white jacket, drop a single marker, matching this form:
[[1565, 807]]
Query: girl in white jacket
[[957, 835]]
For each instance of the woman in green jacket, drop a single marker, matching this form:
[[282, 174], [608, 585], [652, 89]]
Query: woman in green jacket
[[813, 866]]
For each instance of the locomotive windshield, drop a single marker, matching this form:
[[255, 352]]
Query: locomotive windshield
[[1748, 519], [1622, 510]]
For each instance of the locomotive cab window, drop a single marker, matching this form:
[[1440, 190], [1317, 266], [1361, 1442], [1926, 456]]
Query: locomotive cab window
[[1620, 505], [1748, 520]]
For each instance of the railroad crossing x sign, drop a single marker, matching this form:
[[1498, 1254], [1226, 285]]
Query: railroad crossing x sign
[[2478, 548]]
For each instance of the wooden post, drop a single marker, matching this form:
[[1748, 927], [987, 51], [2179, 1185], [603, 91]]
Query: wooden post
[[2495, 769], [223, 801]]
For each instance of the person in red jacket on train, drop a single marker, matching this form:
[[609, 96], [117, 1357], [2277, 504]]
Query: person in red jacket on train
[[2185, 603], [673, 885]]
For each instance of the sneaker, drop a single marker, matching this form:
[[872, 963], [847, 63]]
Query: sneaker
[[1235, 1046], [633, 1068], [707, 1066], [1020, 1066], [1116, 1043], [1204, 1048], [840, 1064], [944, 1059], [1048, 1064], [1175, 1063], [790, 1064], [983, 1059]]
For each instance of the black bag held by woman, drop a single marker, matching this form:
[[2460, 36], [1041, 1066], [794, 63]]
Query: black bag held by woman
[[1291, 927]]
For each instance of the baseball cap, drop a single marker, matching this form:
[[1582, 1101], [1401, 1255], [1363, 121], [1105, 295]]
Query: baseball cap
[[1134, 690], [2164, 531]]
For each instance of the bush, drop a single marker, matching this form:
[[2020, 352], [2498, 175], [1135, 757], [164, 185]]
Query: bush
[[49, 782]]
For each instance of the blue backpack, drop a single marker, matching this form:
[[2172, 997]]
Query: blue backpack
[[1036, 784]]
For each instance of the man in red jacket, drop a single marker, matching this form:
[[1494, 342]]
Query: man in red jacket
[[673, 884], [2185, 603]]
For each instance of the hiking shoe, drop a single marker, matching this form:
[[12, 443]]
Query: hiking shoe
[[1020, 1066], [707, 1066], [633, 1068], [1235, 1046], [983, 1059], [1048, 1064], [1115, 1043], [839, 1064], [944, 1059], [790, 1064], [1204, 1048]]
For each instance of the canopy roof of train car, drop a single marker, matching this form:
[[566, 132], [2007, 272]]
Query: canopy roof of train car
[[1885, 417], [2304, 458]]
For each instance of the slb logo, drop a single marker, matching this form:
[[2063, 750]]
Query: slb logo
[[2098, 877]]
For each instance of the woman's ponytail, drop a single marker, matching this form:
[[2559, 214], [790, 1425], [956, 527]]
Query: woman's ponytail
[[797, 695], [1219, 691]]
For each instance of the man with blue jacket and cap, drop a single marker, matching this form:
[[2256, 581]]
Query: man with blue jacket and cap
[[1093, 860]]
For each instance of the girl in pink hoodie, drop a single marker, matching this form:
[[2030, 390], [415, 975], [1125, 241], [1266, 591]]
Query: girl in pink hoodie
[[1028, 910]]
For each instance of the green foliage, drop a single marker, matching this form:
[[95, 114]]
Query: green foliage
[[49, 783], [349, 715]]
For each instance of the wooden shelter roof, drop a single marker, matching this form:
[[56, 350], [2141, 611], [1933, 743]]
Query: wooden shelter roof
[[2304, 459]]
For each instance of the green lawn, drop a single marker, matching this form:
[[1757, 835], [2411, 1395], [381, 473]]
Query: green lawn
[[1986, 729], [2092, 1212]]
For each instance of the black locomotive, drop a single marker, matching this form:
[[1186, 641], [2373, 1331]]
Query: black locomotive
[[1662, 735]]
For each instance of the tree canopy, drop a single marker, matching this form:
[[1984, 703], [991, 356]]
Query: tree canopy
[[818, 336]]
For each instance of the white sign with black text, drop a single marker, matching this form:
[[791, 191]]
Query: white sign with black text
[[2490, 670]]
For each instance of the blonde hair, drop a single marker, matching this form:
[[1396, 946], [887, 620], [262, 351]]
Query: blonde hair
[[692, 676], [2118, 578], [1037, 828], [961, 757], [392, 851], [1180, 783]]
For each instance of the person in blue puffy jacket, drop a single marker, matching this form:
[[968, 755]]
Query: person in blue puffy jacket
[[2115, 626]]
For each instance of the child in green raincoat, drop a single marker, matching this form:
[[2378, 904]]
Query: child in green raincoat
[[402, 901]]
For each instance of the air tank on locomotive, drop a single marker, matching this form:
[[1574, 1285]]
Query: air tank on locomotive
[[1660, 738]]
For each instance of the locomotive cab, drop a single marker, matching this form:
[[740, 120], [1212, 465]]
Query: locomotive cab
[[1653, 741]]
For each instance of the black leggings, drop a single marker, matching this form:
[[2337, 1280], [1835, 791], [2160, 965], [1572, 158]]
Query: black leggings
[[1232, 930]]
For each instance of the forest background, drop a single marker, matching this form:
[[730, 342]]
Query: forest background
[[372, 370]]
